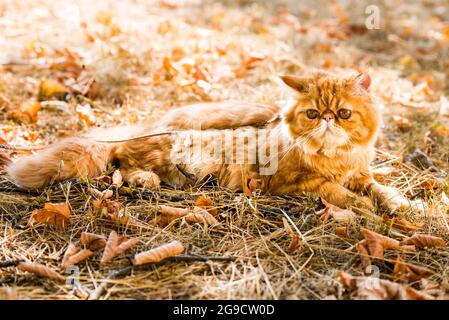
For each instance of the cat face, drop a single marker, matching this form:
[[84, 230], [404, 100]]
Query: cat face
[[332, 114]]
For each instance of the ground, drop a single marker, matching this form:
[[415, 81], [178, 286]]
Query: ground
[[129, 61]]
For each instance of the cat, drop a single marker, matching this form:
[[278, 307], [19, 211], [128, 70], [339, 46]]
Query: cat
[[323, 143]]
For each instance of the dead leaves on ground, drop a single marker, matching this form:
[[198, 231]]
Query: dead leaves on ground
[[74, 255], [409, 272], [158, 254], [195, 215], [113, 211], [372, 288], [53, 214], [115, 246], [424, 241], [40, 270], [93, 241], [295, 241], [338, 214]]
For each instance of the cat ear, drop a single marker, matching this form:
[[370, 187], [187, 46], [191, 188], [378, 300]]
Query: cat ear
[[300, 84], [363, 80]]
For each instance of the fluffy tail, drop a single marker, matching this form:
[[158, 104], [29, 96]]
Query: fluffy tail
[[67, 159]]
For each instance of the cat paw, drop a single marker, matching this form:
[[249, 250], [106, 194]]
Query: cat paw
[[363, 203], [146, 179]]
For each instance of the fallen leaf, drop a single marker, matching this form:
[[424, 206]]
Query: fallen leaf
[[28, 111], [377, 243], [372, 288], [335, 212], [40, 270], [249, 185], [115, 246], [409, 272], [158, 254], [75, 255], [93, 241], [342, 231], [424, 240], [295, 241], [195, 214], [364, 254], [403, 224], [52, 89], [208, 204], [113, 211], [53, 214]]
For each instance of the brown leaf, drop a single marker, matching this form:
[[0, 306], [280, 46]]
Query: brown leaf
[[403, 224], [74, 255], [335, 212], [364, 254], [115, 246], [424, 240], [196, 214], [40, 270], [93, 241], [249, 185], [371, 288], [295, 243], [158, 254], [342, 231], [112, 210], [49, 89], [53, 214], [70, 251], [28, 111], [208, 204], [109, 250], [377, 243], [409, 272]]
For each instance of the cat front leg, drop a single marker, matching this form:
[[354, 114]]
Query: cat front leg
[[388, 197], [342, 197], [142, 178]]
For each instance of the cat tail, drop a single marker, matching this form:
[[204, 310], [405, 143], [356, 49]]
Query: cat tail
[[70, 158]]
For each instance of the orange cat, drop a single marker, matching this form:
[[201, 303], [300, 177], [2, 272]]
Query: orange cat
[[324, 143]]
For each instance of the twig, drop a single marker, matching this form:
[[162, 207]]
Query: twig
[[10, 263]]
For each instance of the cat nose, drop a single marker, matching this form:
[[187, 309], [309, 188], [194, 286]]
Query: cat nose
[[328, 117]]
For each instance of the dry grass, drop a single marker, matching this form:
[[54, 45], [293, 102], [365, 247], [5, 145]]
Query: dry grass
[[126, 56]]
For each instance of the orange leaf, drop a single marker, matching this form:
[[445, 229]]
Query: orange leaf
[[377, 243], [249, 185], [364, 254], [403, 224], [49, 89], [196, 214], [28, 111], [160, 253], [53, 214], [425, 240], [372, 288], [208, 204], [335, 212], [112, 210], [72, 258], [410, 272], [93, 241], [115, 246], [342, 231], [40, 270]]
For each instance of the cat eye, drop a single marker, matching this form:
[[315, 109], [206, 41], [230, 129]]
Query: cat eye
[[344, 113], [312, 114]]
